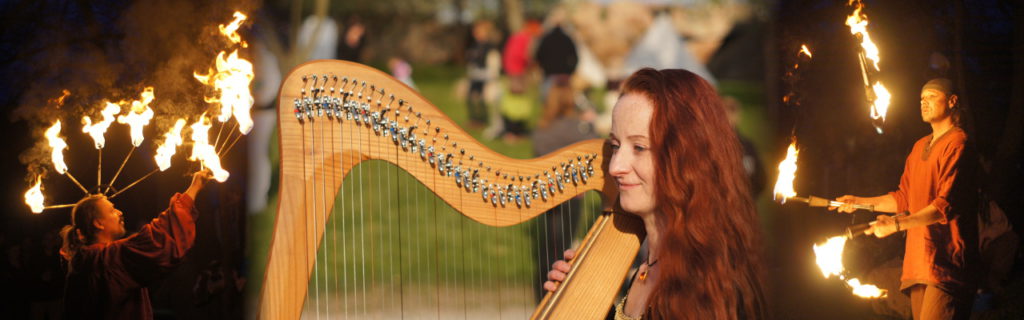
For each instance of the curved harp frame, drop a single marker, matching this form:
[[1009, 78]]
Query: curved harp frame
[[390, 121]]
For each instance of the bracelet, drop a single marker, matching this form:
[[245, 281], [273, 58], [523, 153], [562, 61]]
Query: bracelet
[[897, 221]]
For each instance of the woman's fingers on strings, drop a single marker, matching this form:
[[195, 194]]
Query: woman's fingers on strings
[[569, 254], [556, 275], [551, 285], [560, 266]]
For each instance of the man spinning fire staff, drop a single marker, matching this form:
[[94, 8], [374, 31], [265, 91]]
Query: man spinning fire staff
[[108, 273], [937, 191]]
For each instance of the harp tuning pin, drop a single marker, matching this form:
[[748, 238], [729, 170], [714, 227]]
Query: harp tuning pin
[[437, 129], [304, 78], [419, 114], [335, 77], [401, 102]]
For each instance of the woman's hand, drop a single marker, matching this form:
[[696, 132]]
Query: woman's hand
[[558, 271]]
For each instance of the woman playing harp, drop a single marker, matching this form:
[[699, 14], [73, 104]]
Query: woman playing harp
[[676, 162]]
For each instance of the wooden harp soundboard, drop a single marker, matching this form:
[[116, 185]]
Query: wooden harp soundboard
[[328, 98]]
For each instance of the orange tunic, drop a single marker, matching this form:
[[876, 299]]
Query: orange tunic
[[941, 175]]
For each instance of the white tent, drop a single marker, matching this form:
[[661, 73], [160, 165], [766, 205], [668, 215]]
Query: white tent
[[662, 48]]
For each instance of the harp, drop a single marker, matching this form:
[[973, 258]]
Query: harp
[[334, 115]]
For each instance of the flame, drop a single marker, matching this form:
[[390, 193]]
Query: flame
[[138, 116], [858, 23], [231, 29], [787, 172], [805, 50], [97, 130], [203, 151], [881, 104], [58, 145], [829, 257], [34, 196], [172, 139], [231, 79]]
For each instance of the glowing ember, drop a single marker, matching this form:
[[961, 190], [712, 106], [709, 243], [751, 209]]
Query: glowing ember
[[58, 145], [34, 196], [138, 116], [787, 172], [231, 29], [172, 139], [97, 130], [806, 51], [203, 151], [829, 257]]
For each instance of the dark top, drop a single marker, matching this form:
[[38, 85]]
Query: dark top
[[556, 53], [108, 281]]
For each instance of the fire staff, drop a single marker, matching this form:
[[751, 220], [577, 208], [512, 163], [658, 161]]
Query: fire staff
[[937, 191], [108, 273]]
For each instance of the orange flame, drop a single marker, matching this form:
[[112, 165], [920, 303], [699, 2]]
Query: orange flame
[[787, 173], [57, 145], [34, 196], [231, 29], [829, 257], [232, 80], [805, 50], [97, 130], [172, 139], [138, 116], [858, 23], [203, 151]]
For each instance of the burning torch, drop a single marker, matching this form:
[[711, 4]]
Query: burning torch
[[784, 185], [861, 229]]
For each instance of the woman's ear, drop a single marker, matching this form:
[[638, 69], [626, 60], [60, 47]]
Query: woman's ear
[[97, 225], [952, 100]]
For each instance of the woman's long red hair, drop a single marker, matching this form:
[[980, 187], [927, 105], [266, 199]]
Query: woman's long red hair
[[710, 254]]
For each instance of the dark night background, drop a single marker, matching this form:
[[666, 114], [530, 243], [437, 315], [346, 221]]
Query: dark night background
[[109, 49]]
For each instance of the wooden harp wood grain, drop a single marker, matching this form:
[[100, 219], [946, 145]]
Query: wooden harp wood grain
[[605, 255]]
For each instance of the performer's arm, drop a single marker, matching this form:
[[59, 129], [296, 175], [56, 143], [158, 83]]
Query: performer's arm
[[882, 203], [163, 242], [886, 225]]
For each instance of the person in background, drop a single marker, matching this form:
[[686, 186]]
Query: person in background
[[476, 70], [353, 41]]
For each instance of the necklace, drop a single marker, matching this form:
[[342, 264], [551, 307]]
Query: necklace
[[643, 274]]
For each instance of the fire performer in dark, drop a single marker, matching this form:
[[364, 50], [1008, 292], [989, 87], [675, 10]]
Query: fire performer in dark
[[937, 191], [108, 275]]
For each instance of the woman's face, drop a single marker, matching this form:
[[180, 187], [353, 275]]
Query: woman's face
[[632, 164]]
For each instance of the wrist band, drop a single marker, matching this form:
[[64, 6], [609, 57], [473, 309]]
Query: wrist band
[[897, 221]]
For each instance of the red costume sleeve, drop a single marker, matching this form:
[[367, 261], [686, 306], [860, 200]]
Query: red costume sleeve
[[162, 243]]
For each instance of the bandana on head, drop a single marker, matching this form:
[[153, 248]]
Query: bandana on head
[[941, 84]]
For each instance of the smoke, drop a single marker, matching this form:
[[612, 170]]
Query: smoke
[[109, 52]]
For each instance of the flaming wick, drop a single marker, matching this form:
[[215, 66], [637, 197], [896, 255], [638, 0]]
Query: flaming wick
[[111, 184], [136, 182]]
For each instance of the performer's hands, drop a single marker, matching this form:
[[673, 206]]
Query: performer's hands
[[198, 180], [883, 226], [848, 204], [558, 271]]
